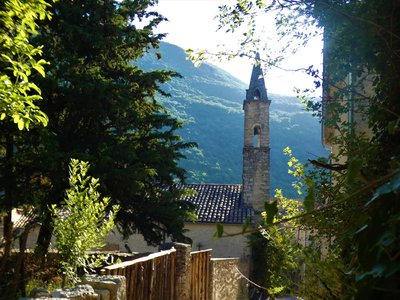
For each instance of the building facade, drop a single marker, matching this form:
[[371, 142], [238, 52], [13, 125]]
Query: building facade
[[229, 204]]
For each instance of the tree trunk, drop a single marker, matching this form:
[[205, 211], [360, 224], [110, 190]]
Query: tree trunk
[[8, 203], [18, 284], [44, 238], [7, 234]]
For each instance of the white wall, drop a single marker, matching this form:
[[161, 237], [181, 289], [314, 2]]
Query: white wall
[[202, 236], [200, 233]]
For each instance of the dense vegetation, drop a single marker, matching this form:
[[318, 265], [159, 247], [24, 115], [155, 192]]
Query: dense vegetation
[[101, 109], [211, 100], [103, 105], [351, 206]]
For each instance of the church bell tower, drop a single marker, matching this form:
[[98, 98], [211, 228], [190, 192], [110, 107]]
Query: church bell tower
[[256, 150]]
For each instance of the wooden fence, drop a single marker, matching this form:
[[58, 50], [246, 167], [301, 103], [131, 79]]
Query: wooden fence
[[153, 277], [148, 278], [201, 275]]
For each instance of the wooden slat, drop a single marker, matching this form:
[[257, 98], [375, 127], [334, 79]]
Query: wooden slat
[[200, 251], [139, 260], [150, 277], [200, 276]]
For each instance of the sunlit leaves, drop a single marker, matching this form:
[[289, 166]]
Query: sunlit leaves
[[309, 199], [296, 169], [84, 220], [277, 253], [18, 93]]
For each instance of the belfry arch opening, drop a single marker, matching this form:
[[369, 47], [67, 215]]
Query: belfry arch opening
[[257, 94], [257, 136]]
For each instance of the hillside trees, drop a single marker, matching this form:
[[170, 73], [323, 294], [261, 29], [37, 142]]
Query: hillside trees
[[357, 213], [102, 109]]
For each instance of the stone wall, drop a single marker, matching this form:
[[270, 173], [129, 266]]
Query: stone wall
[[92, 287], [256, 158], [256, 177], [227, 282], [256, 114]]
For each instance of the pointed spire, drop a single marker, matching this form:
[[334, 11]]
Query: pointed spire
[[257, 88]]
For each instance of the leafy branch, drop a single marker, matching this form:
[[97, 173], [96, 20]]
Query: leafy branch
[[82, 222], [18, 93]]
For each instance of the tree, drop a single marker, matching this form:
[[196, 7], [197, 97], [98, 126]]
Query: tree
[[356, 212], [82, 223], [102, 109], [18, 94]]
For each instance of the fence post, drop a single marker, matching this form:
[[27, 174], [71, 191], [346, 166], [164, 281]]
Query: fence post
[[183, 271]]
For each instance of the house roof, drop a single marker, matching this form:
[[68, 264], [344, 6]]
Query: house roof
[[221, 203]]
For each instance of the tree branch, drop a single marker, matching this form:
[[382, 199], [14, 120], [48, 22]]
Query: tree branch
[[332, 167]]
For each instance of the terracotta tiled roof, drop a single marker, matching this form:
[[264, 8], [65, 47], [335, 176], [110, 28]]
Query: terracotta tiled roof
[[219, 203]]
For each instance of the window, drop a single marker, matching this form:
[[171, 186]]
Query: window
[[257, 94], [257, 136]]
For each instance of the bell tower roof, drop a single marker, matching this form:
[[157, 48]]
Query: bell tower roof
[[257, 90]]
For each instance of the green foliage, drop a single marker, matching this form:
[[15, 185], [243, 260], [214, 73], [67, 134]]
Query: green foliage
[[270, 212], [38, 282], [324, 276], [211, 101], [18, 60], [307, 179], [82, 222], [276, 253], [103, 109], [380, 265], [296, 169], [356, 212]]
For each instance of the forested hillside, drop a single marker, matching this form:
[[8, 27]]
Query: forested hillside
[[210, 99]]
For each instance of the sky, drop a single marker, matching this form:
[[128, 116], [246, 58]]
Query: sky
[[191, 24]]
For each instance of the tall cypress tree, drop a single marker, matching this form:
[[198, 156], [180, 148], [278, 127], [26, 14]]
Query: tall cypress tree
[[102, 109]]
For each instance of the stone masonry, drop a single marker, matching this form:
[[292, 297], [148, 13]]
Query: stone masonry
[[256, 150], [92, 287]]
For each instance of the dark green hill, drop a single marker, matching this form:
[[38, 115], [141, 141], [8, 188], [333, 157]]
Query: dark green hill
[[210, 99]]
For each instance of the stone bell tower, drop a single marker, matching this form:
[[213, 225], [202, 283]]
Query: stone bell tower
[[256, 150]]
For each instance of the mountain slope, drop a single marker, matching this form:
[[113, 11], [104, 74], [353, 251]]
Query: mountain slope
[[211, 101]]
